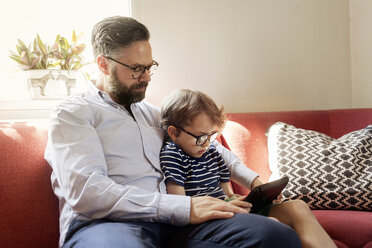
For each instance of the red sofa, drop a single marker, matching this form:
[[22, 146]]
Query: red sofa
[[245, 134], [30, 209]]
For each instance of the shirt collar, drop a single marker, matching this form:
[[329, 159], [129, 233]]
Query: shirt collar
[[102, 95]]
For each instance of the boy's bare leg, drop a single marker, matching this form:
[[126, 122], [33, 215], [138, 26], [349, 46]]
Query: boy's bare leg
[[298, 215]]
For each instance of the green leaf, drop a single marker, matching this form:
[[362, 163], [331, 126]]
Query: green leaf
[[77, 66], [16, 58], [74, 39], [64, 52], [64, 43], [35, 45], [18, 49], [58, 55], [78, 49], [41, 44], [23, 55], [22, 45], [34, 63], [54, 64], [79, 36], [55, 45]]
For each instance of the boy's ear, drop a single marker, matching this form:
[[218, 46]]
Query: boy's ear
[[172, 132], [103, 65]]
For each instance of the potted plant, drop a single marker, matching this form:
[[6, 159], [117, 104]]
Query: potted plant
[[51, 70]]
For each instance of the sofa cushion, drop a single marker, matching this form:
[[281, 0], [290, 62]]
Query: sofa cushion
[[28, 206], [347, 228], [326, 173]]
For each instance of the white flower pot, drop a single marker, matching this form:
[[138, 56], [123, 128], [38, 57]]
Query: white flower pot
[[51, 84]]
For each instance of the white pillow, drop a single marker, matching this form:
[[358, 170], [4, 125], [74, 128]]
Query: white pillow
[[326, 173]]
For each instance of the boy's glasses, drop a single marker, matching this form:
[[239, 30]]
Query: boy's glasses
[[138, 70], [201, 139]]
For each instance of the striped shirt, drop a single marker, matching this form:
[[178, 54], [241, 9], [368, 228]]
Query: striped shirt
[[199, 176]]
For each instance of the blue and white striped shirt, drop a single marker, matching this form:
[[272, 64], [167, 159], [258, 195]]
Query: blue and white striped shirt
[[199, 176]]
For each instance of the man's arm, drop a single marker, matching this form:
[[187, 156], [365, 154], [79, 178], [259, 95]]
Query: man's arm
[[80, 177], [206, 208]]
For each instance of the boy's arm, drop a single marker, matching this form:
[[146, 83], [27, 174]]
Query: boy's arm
[[257, 181], [227, 189], [175, 189]]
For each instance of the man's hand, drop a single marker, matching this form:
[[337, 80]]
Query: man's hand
[[206, 208], [240, 202]]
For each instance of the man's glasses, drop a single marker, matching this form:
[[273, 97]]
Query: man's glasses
[[201, 139], [138, 70]]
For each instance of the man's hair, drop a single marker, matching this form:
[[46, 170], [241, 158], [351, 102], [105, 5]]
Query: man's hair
[[183, 105], [116, 32]]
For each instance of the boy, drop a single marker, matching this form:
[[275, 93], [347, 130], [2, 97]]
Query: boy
[[206, 170], [193, 167]]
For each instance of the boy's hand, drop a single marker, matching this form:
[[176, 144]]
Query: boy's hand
[[279, 199], [233, 197], [206, 208]]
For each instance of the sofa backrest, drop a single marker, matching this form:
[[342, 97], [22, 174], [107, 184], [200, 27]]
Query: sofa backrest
[[29, 208], [245, 133]]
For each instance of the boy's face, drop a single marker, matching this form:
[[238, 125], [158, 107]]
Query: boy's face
[[202, 124]]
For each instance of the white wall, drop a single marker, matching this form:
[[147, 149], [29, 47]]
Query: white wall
[[252, 55], [361, 40]]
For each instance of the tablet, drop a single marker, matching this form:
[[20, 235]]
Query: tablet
[[264, 194]]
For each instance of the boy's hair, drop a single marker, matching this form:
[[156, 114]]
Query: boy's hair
[[183, 105], [116, 32]]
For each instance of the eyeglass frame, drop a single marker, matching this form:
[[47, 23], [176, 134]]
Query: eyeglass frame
[[154, 63], [198, 137]]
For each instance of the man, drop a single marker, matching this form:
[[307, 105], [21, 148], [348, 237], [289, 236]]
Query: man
[[104, 149]]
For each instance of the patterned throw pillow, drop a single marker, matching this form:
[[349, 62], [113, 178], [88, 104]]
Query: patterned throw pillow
[[326, 173]]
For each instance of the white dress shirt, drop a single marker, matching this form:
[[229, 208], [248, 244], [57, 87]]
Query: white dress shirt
[[106, 162]]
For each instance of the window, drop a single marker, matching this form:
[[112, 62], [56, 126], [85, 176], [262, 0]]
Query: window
[[24, 19]]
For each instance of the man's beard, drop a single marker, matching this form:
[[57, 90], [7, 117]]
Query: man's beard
[[124, 95]]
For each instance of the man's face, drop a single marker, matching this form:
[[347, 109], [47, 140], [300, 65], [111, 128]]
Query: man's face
[[122, 87], [122, 94]]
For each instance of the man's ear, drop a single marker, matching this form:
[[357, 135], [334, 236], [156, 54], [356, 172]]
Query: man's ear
[[103, 65], [172, 132]]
